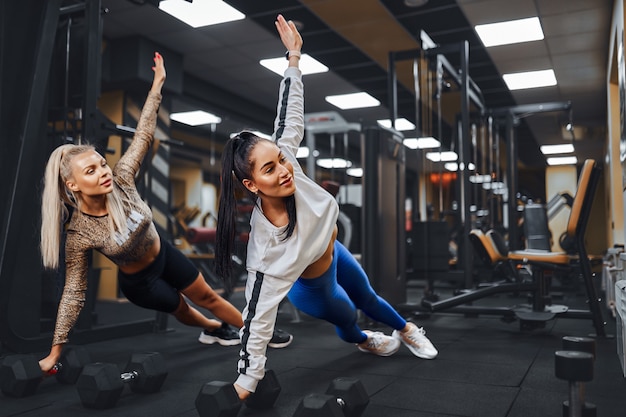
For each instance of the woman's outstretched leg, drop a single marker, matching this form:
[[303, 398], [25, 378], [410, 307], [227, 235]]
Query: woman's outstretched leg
[[322, 298], [201, 294], [352, 277]]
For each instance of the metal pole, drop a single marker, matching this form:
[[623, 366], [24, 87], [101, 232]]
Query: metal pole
[[464, 148], [92, 68], [392, 88], [511, 167]]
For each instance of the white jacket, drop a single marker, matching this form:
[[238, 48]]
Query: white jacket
[[273, 262]]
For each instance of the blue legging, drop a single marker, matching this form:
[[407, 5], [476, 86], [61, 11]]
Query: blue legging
[[338, 293]]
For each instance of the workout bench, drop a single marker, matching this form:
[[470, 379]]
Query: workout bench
[[575, 258]]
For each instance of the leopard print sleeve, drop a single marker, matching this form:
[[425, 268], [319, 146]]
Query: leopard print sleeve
[[127, 167], [73, 297]]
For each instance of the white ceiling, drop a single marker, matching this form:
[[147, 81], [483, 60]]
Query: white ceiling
[[575, 46], [346, 36]]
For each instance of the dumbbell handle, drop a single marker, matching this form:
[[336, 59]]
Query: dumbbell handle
[[576, 399], [127, 376], [55, 369]]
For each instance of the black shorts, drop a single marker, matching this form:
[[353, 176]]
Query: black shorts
[[158, 286]]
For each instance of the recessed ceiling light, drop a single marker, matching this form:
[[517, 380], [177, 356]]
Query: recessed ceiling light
[[428, 142], [401, 124], [453, 166], [562, 160], [355, 172], [552, 149], [446, 156], [195, 118], [201, 13], [479, 179], [530, 79], [353, 101], [513, 31], [308, 65], [421, 143], [333, 163]]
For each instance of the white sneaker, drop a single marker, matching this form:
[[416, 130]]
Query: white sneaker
[[379, 344], [417, 342]]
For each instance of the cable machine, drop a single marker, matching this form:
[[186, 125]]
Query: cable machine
[[470, 95], [510, 117], [338, 130]]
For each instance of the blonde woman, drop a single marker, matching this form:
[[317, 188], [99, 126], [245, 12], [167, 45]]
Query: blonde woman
[[108, 215]]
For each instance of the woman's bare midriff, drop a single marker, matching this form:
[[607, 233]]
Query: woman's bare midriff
[[320, 266], [145, 261]]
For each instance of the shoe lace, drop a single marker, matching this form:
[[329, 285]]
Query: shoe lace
[[375, 341], [416, 335]]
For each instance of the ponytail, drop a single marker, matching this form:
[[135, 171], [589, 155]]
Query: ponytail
[[236, 166], [226, 216], [54, 212]]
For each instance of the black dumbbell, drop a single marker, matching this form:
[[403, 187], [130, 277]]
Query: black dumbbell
[[219, 398], [580, 344], [345, 397], [100, 385], [576, 367], [20, 375]]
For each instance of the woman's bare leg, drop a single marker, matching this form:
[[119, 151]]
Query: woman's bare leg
[[188, 315], [201, 294]]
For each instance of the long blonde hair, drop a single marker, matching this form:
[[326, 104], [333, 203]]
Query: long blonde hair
[[57, 197]]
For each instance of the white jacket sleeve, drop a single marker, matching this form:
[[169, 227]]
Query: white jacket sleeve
[[289, 122], [263, 294]]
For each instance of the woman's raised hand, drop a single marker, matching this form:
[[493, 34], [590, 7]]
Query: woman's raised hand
[[159, 72], [288, 34]]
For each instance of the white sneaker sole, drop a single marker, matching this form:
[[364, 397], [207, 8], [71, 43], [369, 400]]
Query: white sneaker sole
[[415, 351], [383, 354], [393, 350], [209, 340]]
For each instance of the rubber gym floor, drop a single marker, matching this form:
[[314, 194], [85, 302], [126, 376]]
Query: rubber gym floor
[[485, 368]]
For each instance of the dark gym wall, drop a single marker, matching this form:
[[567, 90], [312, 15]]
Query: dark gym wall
[[22, 137], [16, 37]]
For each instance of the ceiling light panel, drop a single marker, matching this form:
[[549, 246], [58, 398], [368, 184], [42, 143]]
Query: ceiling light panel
[[421, 143], [555, 149], [510, 32], [402, 124], [308, 65], [195, 118], [530, 79], [201, 12], [333, 163], [562, 160], [446, 156], [353, 101]]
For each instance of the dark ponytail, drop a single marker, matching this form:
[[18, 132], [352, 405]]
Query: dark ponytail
[[235, 168]]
